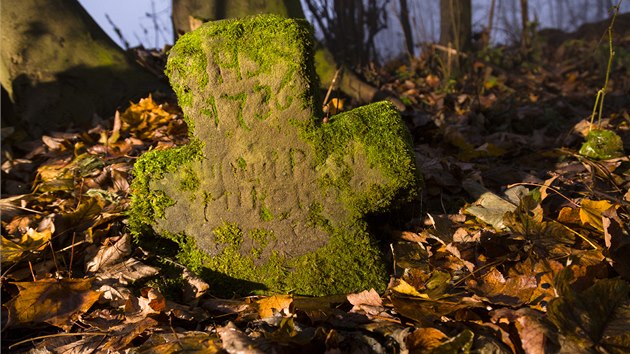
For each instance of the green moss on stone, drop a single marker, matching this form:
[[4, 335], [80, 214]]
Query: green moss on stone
[[265, 213], [241, 163], [261, 238], [148, 203], [350, 260], [229, 233], [190, 181]]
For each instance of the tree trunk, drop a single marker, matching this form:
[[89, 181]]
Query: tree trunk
[[525, 40], [59, 68], [406, 27], [456, 24]]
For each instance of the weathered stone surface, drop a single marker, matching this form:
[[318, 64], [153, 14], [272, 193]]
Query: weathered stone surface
[[266, 192]]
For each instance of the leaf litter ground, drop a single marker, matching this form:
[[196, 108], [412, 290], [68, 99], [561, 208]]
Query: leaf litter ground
[[521, 244]]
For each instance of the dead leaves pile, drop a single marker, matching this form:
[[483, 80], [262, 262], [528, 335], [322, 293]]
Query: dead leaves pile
[[522, 247]]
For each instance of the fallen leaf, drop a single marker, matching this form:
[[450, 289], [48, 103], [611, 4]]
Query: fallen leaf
[[423, 340], [109, 255], [366, 297], [143, 118], [597, 317], [235, 341], [85, 212], [151, 301], [127, 272], [11, 251], [269, 306], [334, 106], [32, 240], [537, 336], [426, 311], [602, 144], [591, 212], [513, 291], [55, 301], [194, 287], [367, 302], [405, 288], [489, 207], [187, 342], [122, 335], [617, 242], [461, 343]]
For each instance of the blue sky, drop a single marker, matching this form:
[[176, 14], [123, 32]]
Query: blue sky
[[134, 19]]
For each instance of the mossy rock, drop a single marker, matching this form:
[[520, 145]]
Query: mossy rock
[[266, 197]]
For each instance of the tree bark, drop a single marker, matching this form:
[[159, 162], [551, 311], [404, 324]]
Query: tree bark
[[59, 68], [525, 40], [456, 24], [406, 27]]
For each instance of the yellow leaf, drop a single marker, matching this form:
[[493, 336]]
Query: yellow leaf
[[334, 106], [144, 117], [32, 240], [591, 212], [53, 301], [11, 251], [86, 211], [277, 303], [407, 289]]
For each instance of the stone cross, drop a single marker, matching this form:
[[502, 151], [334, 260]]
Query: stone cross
[[266, 196]]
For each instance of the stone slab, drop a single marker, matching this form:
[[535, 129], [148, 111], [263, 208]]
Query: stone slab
[[266, 192]]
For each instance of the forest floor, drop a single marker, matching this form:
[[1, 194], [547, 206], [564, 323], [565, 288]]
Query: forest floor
[[521, 242]]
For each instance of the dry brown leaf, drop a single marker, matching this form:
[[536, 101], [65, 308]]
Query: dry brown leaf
[[513, 291], [426, 311], [235, 341], [423, 340], [617, 242], [127, 272], [108, 255], [55, 301], [151, 301], [596, 317], [366, 297], [194, 287], [187, 342], [368, 302], [269, 306], [121, 336], [535, 334]]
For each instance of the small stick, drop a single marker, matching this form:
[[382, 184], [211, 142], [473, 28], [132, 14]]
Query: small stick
[[58, 335], [330, 87]]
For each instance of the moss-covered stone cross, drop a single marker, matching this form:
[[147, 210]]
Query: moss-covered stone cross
[[265, 193]]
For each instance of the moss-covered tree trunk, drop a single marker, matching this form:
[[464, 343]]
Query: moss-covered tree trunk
[[185, 11], [59, 68]]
